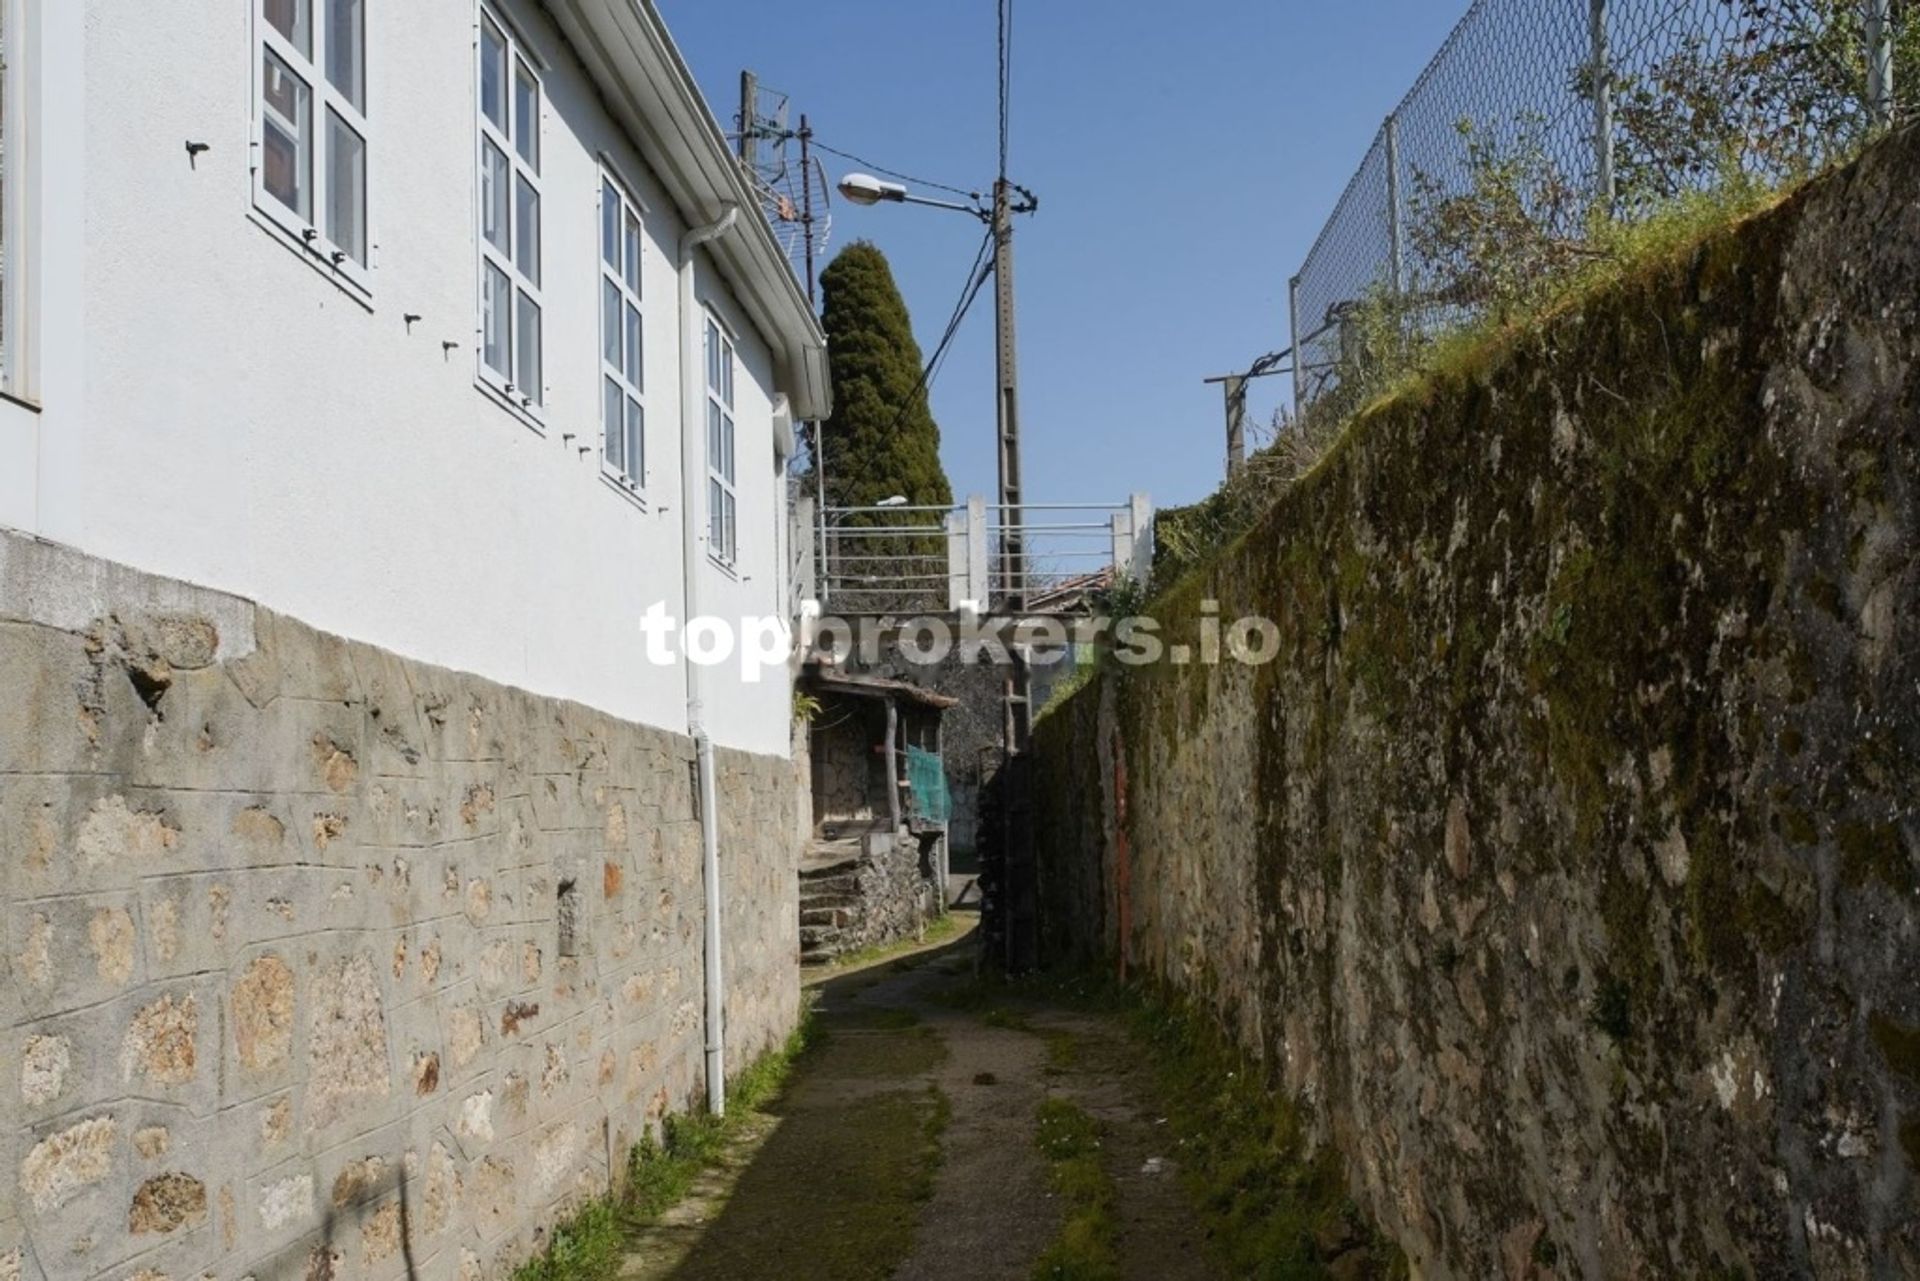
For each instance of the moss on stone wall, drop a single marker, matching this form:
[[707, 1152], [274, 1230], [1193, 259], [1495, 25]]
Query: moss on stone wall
[[1574, 815]]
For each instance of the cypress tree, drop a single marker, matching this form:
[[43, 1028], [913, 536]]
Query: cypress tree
[[881, 440]]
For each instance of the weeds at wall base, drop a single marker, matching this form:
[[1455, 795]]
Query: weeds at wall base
[[590, 1245], [1275, 1206]]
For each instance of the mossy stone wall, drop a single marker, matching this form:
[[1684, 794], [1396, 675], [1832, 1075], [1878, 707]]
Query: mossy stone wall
[[1566, 862]]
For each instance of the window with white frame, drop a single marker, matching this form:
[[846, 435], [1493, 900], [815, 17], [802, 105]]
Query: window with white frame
[[722, 517], [509, 158], [8, 318], [310, 121], [622, 415]]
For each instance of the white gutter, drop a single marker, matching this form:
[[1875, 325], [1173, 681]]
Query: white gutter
[[692, 455]]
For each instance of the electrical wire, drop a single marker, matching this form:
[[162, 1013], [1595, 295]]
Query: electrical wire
[[885, 172]]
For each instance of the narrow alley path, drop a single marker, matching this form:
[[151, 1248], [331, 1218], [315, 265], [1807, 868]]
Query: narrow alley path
[[908, 1145]]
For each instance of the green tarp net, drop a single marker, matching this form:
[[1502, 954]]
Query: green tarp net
[[927, 781]]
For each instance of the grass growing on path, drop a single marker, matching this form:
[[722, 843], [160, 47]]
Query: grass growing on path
[[589, 1246], [1275, 1207], [1085, 1249]]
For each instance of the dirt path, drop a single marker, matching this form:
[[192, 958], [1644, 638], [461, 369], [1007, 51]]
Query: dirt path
[[905, 1146]]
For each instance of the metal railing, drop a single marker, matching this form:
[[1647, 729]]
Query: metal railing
[[1534, 115], [1048, 557]]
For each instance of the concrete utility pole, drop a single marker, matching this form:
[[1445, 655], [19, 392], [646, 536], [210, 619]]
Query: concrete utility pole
[[1235, 386], [1236, 389], [1013, 552]]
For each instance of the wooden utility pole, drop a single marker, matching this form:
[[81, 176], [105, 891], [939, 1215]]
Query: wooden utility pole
[[749, 119]]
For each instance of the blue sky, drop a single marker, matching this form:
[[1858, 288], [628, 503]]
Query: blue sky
[[1185, 157]]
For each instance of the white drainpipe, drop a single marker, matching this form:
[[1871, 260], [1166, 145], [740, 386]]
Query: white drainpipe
[[692, 454]]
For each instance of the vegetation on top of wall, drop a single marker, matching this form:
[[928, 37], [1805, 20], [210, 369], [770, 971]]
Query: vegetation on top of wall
[[1401, 361]]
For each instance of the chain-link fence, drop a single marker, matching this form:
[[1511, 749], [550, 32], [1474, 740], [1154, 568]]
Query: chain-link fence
[[1538, 116]]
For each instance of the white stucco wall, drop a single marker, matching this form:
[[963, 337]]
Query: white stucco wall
[[216, 409]]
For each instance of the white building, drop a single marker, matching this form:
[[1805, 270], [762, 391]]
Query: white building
[[446, 325]]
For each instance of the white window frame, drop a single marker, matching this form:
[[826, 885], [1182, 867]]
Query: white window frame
[[627, 280], [310, 233], [507, 385], [723, 499], [19, 207]]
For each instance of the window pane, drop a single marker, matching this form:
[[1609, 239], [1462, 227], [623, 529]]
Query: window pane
[[526, 114], [286, 159], [495, 182], [633, 255], [612, 431], [493, 75], [713, 356], [346, 50], [526, 229], [633, 347], [346, 189], [726, 448], [609, 224], [493, 318], [526, 340], [610, 322], [713, 435], [726, 374], [716, 518], [636, 441], [291, 19], [728, 543]]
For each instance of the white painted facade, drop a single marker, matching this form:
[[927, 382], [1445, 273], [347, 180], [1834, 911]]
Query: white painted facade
[[198, 394]]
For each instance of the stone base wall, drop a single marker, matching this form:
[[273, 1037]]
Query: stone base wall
[[1564, 862], [321, 962], [888, 893]]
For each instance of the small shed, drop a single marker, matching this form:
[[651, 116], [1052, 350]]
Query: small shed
[[876, 867]]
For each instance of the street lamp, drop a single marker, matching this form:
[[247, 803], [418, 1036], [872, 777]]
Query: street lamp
[[1008, 199], [866, 190]]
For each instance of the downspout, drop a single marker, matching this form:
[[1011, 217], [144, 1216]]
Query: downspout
[[692, 453]]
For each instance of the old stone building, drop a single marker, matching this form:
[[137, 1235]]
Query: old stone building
[[875, 864]]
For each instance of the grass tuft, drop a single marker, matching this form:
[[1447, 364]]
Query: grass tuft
[[1087, 1247], [590, 1245]]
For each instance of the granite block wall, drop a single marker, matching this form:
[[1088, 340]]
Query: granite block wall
[[319, 962]]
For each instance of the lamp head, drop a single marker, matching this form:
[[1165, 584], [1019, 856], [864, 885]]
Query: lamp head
[[865, 189]]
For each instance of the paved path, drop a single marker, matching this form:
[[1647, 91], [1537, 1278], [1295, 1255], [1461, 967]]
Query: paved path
[[905, 1145]]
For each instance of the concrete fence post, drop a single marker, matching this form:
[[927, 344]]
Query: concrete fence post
[[979, 580], [1879, 33], [803, 587], [1140, 521], [957, 567], [1396, 216], [1602, 74], [1299, 352]]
